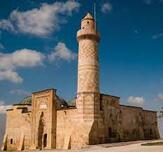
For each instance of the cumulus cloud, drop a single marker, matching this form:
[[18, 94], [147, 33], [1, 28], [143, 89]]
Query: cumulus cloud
[[160, 96], [148, 2], [26, 58], [106, 7], [136, 101], [62, 52], [7, 25], [1, 46], [4, 107], [23, 58], [10, 75], [20, 58], [20, 92], [40, 21], [157, 36]]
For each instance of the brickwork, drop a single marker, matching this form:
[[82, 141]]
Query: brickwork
[[88, 63], [18, 130], [43, 124]]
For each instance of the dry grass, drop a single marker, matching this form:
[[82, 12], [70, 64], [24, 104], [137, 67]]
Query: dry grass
[[153, 144]]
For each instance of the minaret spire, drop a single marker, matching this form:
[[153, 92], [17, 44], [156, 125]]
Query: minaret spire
[[94, 10]]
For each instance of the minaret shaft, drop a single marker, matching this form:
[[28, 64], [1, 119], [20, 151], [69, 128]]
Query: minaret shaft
[[88, 64]]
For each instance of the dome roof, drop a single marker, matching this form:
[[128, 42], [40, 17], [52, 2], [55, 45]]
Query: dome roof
[[72, 102], [61, 103], [26, 100]]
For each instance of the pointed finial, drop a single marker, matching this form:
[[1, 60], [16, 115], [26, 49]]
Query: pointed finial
[[88, 16], [95, 14]]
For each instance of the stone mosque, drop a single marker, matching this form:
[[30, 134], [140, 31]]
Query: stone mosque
[[46, 121]]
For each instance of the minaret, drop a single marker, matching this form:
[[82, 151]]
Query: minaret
[[88, 64], [88, 95]]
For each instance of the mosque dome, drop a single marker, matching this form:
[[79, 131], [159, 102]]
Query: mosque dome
[[26, 100]]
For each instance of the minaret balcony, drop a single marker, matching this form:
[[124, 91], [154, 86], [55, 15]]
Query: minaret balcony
[[88, 34]]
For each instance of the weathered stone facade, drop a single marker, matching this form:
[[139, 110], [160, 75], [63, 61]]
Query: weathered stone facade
[[45, 121]]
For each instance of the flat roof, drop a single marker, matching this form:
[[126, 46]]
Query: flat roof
[[44, 90], [135, 107], [109, 95]]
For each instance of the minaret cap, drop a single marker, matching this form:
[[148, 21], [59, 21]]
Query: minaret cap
[[88, 16]]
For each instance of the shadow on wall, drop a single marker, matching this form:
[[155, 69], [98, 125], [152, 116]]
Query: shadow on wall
[[3, 123], [2, 126], [160, 123]]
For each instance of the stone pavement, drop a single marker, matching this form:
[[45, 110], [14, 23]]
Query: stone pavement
[[134, 146]]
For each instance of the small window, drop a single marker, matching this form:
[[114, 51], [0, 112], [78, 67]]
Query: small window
[[82, 27], [11, 141], [87, 22], [101, 103]]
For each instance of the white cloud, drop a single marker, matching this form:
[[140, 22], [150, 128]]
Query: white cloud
[[148, 2], [20, 58], [1, 46], [23, 58], [20, 92], [136, 101], [7, 25], [157, 36], [10, 75], [62, 52], [4, 107], [106, 7], [160, 96], [40, 21]]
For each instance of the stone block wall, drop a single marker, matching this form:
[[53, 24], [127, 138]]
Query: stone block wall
[[72, 133], [18, 130], [98, 118], [131, 123], [110, 112], [44, 119], [150, 125]]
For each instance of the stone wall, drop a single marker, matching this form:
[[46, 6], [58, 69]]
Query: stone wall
[[66, 125], [131, 123], [18, 130], [110, 112], [88, 62], [96, 119], [126, 123], [150, 125], [44, 119]]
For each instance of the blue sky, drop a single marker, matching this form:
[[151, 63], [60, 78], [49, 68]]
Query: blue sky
[[38, 48]]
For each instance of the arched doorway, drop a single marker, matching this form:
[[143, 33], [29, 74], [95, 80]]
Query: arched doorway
[[40, 131]]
